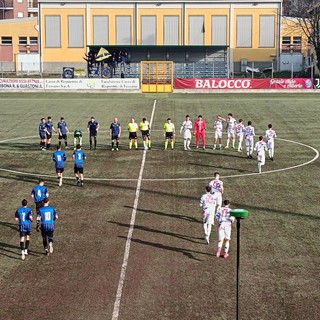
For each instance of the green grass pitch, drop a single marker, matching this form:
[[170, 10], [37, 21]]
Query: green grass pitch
[[171, 273]]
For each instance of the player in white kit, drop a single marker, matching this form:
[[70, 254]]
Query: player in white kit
[[208, 206], [231, 130], [261, 148], [270, 135], [186, 129], [240, 134], [217, 188], [218, 129], [248, 135], [224, 219]]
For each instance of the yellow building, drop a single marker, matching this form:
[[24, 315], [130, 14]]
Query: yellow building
[[241, 31]]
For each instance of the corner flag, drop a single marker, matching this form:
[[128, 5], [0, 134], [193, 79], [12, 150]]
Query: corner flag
[[103, 54]]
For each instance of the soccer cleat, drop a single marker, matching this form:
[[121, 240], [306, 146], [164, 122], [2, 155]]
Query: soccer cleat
[[46, 251], [233, 147], [226, 255], [218, 252], [117, 149], [50, 247], [112, 149], [23, 255], [185, 149], [271, 158], [204, 148], [226, 147], [43, 149], [67, 147], [188, 148], [26, 252], [78, 182], [214, 148], [81, 185], [250, 157], [207, 239]]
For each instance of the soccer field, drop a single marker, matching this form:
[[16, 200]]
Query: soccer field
[[129, 244]]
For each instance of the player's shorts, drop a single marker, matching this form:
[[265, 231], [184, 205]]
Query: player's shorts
[[49, 135], [218, 197], [231, 133], [93, 133], [25, 233], [270, 144], [240, 136], [59, 170], [187, 135], [208, 218], [115, 137], [46, 233], [42, 135], [218, 134], [169, 135], [78, 170], [39, 205], [62, 136], [132, 135], [249, 142], [261, 158], [224, 231], [145, 134]]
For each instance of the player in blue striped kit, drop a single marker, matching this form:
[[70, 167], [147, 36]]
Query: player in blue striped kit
[[24, 216], [43, 134], [59, 157], [63, 132], [47, 216], [78, 157]]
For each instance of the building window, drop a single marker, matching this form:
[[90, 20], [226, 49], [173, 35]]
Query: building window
[[33, 41], [20, 14], [297, 41], [6, 40], [267, 34], [286, 41], [75, 32], [244, 31], [123, 30], [148, 30], [101, 30], [218, 30], [53, 31], [23, 41], [196, 30], [171, 30]]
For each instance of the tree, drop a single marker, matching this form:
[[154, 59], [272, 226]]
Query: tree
[[307, 13]]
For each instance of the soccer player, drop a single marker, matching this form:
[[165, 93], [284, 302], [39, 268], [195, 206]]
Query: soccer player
[[78, 157], [218, 128], [217, 188], [144, 127], [231, 130], [42, 133], [270, 135], [224, 219], [93, 128], [63, 132], [199, 130], [39, 193], [249, 137], [186, 128], [169, 134], [59, 157], [47, 216], [50, 129], [77, 138], [208, 206], [260, 148], [240, 130], [133, 129], [24, 216], [115, 133]]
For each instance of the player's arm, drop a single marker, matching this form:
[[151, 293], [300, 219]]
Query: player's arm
[[30, 216], [55, 215], [98, 126], [119, 131], [16, 216]]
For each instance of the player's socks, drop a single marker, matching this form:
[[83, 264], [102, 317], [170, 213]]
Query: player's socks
[[172, 144], [27, 245], [45, 243], [185, 144], [60, 181], [130, 144], [149, 143], [214, 146], [220, 146], [228, 140], [48, 145], [166, 145], [226, 247], [209, 226], [259, 167], [81, 183], [22, 245], [136, 144], [144, 143], [188, 144]]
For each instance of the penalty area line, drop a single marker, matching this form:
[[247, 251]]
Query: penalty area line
[[124, 266]]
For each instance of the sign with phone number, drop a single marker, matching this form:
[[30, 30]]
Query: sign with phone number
[[317, 83]]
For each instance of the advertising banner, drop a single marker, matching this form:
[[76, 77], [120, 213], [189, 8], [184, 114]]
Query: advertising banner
[[21, 84], [242, 83]]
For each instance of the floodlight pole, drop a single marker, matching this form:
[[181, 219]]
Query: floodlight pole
[[238, 268]]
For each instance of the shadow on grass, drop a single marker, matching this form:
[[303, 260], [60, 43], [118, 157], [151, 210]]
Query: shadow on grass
[[185, 252], [16, 251], [252, 208], [13, 226], [177, 216], [219, 167], [171, 234]]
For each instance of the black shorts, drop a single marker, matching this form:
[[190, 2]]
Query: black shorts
[[63, 136], [116, 137], [59, 170], [45, 233], [93, 134], [42, 135], [132, 135], [49, 135], [39, 205], [78, 170], [25, 233], [145, 133], [169, 135]]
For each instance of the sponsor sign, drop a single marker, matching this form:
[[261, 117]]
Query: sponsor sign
[[122, 83], [242, 83], [317, 83], [21, 84]]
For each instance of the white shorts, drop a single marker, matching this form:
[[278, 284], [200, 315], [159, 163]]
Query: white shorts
[[270, 144], [224, 231], [187, 135], [208, 218], [218, 134], [240, 136], [261, 158], [249, 142], [231, 133], [218, 197]]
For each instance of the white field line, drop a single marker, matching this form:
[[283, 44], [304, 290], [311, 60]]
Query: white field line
[[171, 179], [116, 307]]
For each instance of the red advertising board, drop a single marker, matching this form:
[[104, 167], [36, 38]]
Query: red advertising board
[[242, 83]]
